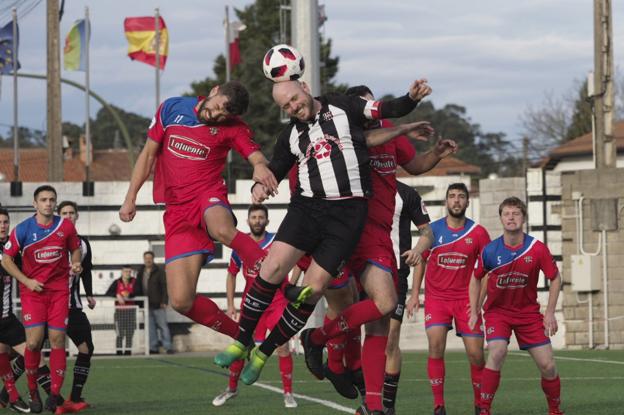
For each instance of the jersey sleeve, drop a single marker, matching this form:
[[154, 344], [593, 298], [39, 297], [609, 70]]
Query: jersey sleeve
[[283, 159], [405, 151], [156, 130], [243, 142], [547, 263], [483, 237], [425, 255], [73, 242], [416, 208], [87, 271], [480, 269], [235, 264], [12, 247]]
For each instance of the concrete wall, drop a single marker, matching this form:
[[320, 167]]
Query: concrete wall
[[593, 184], [491, 194]]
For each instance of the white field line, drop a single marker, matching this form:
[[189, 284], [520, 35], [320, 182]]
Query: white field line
[[323, 402]]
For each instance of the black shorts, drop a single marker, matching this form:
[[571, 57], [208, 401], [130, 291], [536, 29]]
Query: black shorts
[[78, 327], [327, 229], [401, 294], [12, 331]]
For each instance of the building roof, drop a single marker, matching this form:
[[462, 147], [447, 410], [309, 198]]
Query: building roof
[[581, 146], [108, 165], [448, 166]]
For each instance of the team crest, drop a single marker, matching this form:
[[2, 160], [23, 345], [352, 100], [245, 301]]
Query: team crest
[[214, 130], [328, 116], [60, 234], [27, 317], [468, 241], [528, 259]]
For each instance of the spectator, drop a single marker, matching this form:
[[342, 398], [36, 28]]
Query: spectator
[[153, 284], [123, 289]]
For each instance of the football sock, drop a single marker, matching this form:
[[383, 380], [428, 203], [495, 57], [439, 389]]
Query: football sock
[[58, 364], [43, 378], [286, 371], [390, 389], [353, 349], [475, 376], [6, 374], [435, 370], [552, 390], [354, 316], [31, 363], [489, 384], [81, 373], [248, 250], [235, 371], [206, 312], [257, 300], [373, 366], [335, 351], [292, 321]]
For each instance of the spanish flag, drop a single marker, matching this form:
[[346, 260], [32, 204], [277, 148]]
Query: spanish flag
[[141, 35]]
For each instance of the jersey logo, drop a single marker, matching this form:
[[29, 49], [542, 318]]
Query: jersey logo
[[27, 317], [490, 330], [214, 130], [187, 148], [452, 260], [60, 234], [322, 148], [327, 116], [528, 259], [48, 254], [384, 164], [512, 280], [468, 241]]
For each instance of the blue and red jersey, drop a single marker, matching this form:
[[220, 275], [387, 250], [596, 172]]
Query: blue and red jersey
[[451, 259], [45, 251], [192, 154], [513, 274]]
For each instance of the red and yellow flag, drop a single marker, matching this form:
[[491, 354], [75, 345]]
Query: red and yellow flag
[[141, 35]]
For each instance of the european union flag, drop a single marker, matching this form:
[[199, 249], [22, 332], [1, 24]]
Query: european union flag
[[6, 48]]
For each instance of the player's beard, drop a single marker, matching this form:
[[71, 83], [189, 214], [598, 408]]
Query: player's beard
[[460, 215], [200, 111], [258, 230]]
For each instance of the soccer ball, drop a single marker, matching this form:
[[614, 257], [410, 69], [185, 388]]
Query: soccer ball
[[283, 63]]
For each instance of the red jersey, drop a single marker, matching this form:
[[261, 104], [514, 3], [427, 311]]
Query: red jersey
[[126, 290], [192, 155], [513, 274], [236, 264], [45, 251], [384, 160], [451, 259]]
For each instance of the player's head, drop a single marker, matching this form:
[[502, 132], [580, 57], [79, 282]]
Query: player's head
[[257, 219], [148, 258], [68, 210], [361, 91], [223, 102], [457, 200], [513, 213], [126, 272], [5, 224], [295, 99], [45, 200]]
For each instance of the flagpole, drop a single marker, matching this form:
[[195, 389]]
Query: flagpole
[[87, 108], [16, 157], [227, 44], [157, 25]]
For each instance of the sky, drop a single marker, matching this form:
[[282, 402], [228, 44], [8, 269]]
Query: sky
[[494, 58]]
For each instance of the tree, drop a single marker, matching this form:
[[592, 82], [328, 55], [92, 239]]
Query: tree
[[104, 129], [262, 32]]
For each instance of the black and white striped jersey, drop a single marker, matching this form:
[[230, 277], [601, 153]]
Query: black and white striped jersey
[[6, 286], [87, 279], [331, 149]]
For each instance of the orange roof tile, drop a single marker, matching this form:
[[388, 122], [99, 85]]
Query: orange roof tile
[[448, 166]]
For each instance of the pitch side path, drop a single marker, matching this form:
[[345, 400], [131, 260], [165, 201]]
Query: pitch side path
[[592, 383]]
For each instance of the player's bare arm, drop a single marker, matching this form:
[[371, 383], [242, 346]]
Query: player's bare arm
[[413, 303], [9, 265], [379, 136], [413, 256], [422, 163], [230, 287], [140, 173], [550, 322], [474, 291], [262, 174], [76, 261]]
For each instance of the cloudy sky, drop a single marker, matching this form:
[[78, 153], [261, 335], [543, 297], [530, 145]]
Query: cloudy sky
[[495, 58]]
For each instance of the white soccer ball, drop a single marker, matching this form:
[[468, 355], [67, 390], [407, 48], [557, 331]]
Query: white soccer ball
[[283, 63]]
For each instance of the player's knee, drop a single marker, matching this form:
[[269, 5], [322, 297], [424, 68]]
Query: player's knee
[[498, 355], [436, 350], [475, 357], [548, 369], [223, 233], [181, 305], [386, 304], [33, 345]]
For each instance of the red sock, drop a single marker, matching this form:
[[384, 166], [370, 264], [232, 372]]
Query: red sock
[[248, 250], [205, 311], [436, 372], [552, 390], [58, 364], [353, 349], [354, 316], [6, 374], [374, 368], [286, 370], [335, 351], [31, 364], [235, 371], [489, 383], [475, 375]]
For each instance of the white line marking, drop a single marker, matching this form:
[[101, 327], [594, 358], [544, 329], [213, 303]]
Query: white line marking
[[323, 402], [577, 359]]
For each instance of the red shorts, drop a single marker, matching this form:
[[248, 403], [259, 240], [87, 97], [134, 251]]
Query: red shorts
[[375, 248], [269, 319], [529, 330], [443, 312], [49, 307], [185, 228]]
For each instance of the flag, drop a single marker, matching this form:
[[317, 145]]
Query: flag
[[141, 35], [75, 51], [6, 48], [234, 46]]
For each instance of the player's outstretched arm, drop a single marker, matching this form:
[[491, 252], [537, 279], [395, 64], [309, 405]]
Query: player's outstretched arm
[[550, 322], [422, 163], [8, 263], [140, 173], [379, 136], [262, 174]]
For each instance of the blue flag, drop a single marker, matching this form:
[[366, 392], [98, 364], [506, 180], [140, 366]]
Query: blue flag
[[7, 59]]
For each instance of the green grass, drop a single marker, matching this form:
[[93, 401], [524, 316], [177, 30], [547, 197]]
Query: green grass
[[187, 385]]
